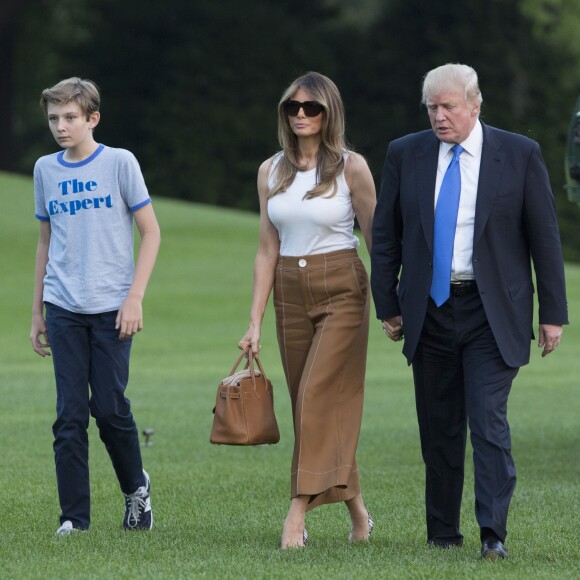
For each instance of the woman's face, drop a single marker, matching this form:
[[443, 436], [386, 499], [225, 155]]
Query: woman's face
[[301, 125]]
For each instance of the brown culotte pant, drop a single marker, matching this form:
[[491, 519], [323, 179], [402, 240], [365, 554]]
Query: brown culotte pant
[[322, 320]]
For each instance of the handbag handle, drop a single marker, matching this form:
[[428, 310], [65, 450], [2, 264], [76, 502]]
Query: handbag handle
[[251, 359], [254, 358]]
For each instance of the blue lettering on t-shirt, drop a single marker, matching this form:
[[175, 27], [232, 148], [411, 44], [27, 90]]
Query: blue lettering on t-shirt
[[76, 186], [73, 206]]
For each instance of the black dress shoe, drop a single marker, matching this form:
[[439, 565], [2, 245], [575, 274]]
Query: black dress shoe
[[446, 543], [492, 549]]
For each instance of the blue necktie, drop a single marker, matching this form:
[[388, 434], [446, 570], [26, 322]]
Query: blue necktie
[[445, 224]]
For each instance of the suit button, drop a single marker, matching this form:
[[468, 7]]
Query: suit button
[[302, 263]]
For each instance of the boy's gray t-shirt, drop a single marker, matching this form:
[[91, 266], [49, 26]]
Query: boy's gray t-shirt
[[90, 208]]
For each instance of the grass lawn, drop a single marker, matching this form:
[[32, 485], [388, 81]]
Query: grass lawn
[[219, 510]]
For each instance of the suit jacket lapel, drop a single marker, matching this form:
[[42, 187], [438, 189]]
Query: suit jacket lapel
[[490, 172], [426, 173]]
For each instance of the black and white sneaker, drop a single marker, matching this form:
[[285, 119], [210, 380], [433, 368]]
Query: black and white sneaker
[[66, 528], [138, 513]]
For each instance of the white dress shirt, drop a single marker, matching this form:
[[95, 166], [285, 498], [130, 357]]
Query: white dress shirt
[[469, 162]]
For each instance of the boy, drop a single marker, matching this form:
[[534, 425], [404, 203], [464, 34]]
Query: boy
[[86, 197]]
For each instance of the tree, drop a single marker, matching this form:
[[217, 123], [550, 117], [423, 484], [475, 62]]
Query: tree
[[192, 87], [10, 11], [528, 74]]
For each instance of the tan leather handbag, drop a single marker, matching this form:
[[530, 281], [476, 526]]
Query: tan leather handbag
[[244, 407]]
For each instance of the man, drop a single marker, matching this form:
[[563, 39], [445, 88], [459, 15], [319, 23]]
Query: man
[[462, 208]]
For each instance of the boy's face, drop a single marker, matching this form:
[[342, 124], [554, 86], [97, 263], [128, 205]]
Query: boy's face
[[69, 126]]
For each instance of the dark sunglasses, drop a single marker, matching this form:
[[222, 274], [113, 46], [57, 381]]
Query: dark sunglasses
[[310, 108]]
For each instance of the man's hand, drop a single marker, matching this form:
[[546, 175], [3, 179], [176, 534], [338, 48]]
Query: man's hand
[[393, 328], [549, 336]]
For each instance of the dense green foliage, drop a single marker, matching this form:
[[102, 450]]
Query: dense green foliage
[[219, 510], [192, 87]]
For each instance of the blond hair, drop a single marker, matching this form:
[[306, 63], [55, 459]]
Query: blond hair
[[330, 161], [81, 91], [452, 76]]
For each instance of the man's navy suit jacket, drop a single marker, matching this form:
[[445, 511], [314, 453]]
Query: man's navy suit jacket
[[515, 224]]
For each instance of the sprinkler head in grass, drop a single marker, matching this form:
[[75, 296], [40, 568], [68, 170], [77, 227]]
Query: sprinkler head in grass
[[148, 433]]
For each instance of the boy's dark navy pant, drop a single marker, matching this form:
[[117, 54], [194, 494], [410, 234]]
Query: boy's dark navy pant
[[86, 351]]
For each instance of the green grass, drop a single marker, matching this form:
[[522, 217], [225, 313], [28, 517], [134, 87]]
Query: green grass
[[219, 510]]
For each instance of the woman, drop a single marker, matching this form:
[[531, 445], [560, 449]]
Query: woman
[[309, 195]]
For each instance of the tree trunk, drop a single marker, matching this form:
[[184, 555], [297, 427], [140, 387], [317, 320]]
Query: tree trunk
[[8, 12]]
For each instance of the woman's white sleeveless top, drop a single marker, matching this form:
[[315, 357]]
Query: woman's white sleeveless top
[[312, 226]]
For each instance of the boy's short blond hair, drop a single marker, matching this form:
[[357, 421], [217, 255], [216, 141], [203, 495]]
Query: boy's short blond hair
[[82, 91]]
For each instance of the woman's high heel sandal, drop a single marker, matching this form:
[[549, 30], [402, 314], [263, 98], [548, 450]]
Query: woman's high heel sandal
[[304, 540], [371, 526]]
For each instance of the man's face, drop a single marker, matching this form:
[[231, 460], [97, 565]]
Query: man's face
[[452, 117]]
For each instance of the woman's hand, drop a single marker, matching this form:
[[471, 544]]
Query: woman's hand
[[251, 338]]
